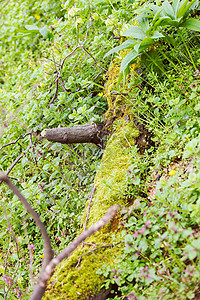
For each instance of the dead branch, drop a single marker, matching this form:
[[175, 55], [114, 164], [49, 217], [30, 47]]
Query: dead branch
[[90, 198], [49, 263], [12, 143], [48, 252], [46, 275], [75, 134], [103, 246], [95, 249]]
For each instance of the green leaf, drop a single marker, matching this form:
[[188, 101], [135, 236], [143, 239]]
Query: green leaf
[[165, 21], [157, 35], [32, 27], [144, 24], [135, 32], [168, 10], [175, 6], [156, 16], [44, 31], [147, 42], [127, 44], [192, 24], [128, 59], [183, 10]]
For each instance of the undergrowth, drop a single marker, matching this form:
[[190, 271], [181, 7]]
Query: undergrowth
[[53, 74]]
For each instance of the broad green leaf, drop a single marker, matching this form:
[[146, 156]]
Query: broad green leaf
[[157, 35], [144, 24], [128, 59], [157, 14], [192, 24], [31, 27], [162, 21], [44, 31], [168, 9], [147, 42], [184, 6], [127, 44], [175, 6], [135, 32]]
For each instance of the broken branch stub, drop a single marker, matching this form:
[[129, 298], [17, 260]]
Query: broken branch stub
[[76, 134]]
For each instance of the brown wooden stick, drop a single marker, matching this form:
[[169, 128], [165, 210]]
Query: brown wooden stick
[[75, 134]]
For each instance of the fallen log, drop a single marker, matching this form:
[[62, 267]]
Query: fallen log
[[76, 134]]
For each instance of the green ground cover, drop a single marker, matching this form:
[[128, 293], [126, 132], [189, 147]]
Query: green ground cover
[[135, 66]]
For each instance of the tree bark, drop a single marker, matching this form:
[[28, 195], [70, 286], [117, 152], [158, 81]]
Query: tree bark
[[76, 134]]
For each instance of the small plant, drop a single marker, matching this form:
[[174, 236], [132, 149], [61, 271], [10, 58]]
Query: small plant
[[152, 21]]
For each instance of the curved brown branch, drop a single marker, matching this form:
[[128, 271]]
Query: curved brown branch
[[19, 138], [46, 275], [48, 252]]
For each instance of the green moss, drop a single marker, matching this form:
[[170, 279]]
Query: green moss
[[110, 180], [82, 282]]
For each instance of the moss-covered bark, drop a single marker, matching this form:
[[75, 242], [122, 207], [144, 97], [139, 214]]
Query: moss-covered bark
[[75, 279], [82, 282]]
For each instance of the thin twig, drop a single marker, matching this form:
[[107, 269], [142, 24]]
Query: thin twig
[[90, 244], [48, 252], [56, 91], [94, 59], [89, 205], [62, 64], [15, 162], [12, 143], [103, 246], [63, 84], [46, 275]]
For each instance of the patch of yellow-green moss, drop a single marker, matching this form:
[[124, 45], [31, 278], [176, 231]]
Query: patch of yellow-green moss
[[110, 180], [119, 104]]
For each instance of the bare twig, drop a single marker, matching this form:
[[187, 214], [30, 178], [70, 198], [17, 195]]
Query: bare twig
[[56, 91], [46, 275], [103, 246], [59, 72], [48, 252], [63, 85], [12, 143], [89, 205], [62, 64], [94, 59], [15, 162], [90, 244]]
